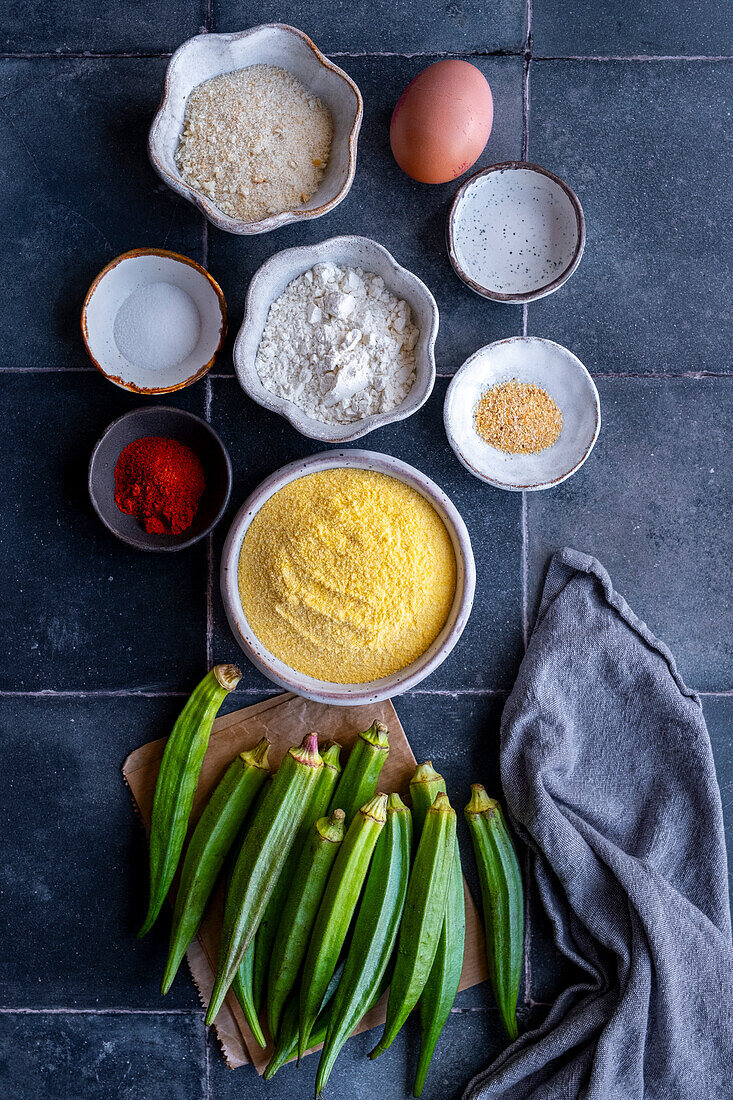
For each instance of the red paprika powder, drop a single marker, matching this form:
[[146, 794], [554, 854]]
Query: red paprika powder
[[161, 482]]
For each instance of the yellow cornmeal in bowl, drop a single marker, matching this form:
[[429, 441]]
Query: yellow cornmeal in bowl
[[347, 575]]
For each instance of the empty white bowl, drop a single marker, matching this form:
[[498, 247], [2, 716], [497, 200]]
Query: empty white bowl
[[543, 363], [268, 283], [516, 232], [113, 286], [320, 690], [210, 55]]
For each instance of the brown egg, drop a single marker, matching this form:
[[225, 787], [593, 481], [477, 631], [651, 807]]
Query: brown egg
[[442, 122]]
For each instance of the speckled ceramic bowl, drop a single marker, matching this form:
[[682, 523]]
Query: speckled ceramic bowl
[[210, 55], [268, 283], [516, 232], [545, 364], [320, 690]]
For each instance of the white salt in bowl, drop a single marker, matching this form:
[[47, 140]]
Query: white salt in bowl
[[388, 686], [113, 287], [545, 364], [210, 55], [271, 279], [516, 232]]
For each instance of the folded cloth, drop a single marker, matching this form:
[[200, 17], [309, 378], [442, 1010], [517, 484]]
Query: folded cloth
[[609, 778]]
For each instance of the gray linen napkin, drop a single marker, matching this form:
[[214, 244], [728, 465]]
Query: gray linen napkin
[[608, 773]]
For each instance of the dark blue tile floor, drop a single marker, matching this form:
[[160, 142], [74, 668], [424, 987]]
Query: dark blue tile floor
[[100, 642], [654, 296], [77, 190]]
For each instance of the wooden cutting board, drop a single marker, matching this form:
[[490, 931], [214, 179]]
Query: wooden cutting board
[[285, 719]]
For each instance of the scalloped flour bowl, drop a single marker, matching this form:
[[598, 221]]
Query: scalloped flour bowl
[[210, 55], [268, 283], [376, 690]]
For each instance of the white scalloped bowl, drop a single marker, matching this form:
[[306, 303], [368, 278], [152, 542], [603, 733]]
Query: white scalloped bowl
[[210, 55], [387, 687], [268, 283]]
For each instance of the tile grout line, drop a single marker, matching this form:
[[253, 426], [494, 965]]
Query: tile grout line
[[131, 693], [633, 57], [525, 632], [131, 55], [215, 376], [208, 644], [10, 1011], [525, 573], [525, 306], [124, 693]]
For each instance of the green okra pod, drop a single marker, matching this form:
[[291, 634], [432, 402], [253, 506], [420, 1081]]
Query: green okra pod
[[212, 838], [266, 844], [269, 925], [286, 1045], [422, 920], [445, 974], [300, 910], [360, 776], [502, 899], [336, 911], [375, 934], [242, 987], [242, 983], [177, 781]]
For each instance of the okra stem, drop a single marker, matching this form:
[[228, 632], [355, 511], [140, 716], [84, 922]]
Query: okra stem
[[360, 776]]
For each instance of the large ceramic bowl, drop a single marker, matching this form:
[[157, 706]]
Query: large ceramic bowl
[[268, 283], [210, 55], [389, 686]]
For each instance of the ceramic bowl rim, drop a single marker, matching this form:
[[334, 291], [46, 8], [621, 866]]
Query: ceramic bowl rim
[[546, 288], [210, 211], [508, 485], [307, 426], [166, 254], [185, 415], [320, 690]]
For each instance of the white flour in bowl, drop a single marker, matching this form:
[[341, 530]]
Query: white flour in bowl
[[338, 345]]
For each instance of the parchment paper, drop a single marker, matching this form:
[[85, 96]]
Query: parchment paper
[[285, 719]]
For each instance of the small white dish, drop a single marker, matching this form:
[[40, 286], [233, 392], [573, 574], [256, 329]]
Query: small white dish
[[376, 690], [543, 363], [114, 285], [268, 283], [210, 55], [516, 232]]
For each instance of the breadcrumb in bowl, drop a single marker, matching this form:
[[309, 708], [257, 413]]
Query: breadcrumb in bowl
[[271, 46]]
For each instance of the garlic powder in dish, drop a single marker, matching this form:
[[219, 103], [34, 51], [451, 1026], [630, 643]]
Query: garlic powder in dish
[[338, 345]]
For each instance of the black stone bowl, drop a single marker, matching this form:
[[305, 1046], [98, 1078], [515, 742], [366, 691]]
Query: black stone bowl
[[173, 424]]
